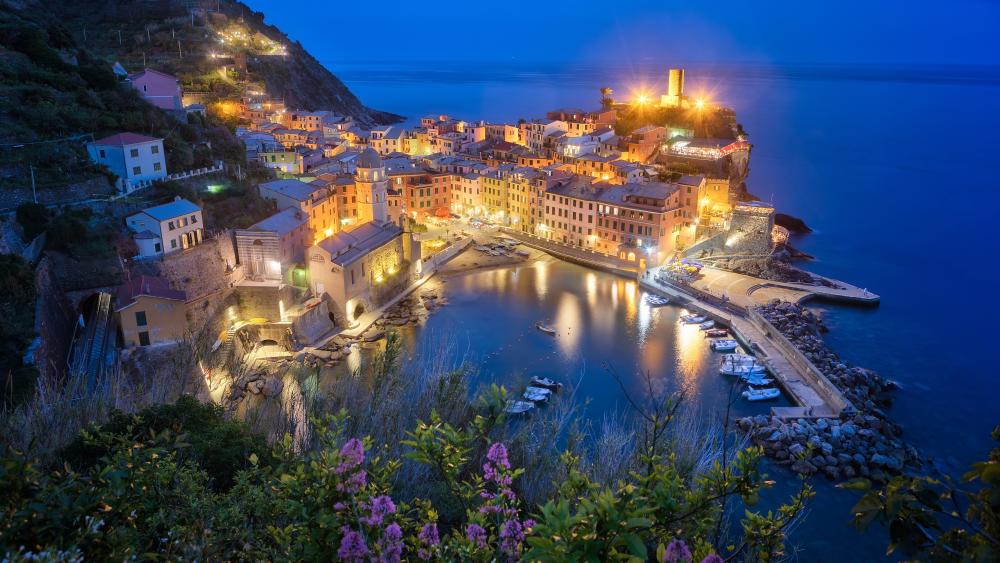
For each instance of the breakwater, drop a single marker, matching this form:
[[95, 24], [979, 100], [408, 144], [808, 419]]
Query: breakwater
[[864, 443]]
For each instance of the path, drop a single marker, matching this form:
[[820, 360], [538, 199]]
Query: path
[[747, 291]]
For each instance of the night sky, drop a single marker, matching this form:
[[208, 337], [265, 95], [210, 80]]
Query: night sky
[[848, 31]]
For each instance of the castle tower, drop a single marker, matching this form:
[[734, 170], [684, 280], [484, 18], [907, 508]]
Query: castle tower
[[675, 88], [372, 186]]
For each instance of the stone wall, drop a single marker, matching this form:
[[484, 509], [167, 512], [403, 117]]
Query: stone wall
[[94, 188], [54, 319]]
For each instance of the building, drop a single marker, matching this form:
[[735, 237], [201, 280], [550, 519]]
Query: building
[[166, 228], [361, 268], [284, 161], [158, 88], [269, 250], [137, 160], [150, 312], [675, 89]]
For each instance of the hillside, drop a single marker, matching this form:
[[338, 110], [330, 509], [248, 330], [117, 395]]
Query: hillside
[[181, 36]]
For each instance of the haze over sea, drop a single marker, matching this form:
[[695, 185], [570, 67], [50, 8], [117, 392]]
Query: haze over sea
[[892, 167]]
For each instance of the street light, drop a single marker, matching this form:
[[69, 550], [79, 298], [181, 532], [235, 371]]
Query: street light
[[699, 103]]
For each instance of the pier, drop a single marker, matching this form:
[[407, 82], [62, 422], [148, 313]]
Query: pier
[[813, 394]]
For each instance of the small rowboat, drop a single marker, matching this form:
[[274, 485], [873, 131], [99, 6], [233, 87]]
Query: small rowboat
[[656, 300], [545, 328], [706, 325], [545, 382], [537, 397], [725, 345], [765, 394], [757, 379], [692, 319], [518, 407], [716, 332]]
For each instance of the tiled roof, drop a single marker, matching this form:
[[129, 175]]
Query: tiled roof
[[146, 285], [122, 139], [179, 206], [295, 189], [346, 247]]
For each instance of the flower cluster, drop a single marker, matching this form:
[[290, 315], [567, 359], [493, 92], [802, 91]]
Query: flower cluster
[[501, 503], [678, 552], [352, 455], [429, 539]]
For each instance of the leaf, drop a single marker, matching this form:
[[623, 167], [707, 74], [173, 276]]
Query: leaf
[[635, 545], [858, 484]]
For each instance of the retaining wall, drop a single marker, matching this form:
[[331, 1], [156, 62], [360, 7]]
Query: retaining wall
[[830, 393]]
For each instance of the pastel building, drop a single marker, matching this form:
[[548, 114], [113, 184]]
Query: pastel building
[[269, 249], [166, 228], [158, 88], [361, 268], [137, 160], [150, 312]]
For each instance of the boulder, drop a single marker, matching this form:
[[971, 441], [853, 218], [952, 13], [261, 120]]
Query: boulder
[[272, 387], [803, 467]]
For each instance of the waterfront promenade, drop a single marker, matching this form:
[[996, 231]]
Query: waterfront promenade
[[812, 394], [747, 291]]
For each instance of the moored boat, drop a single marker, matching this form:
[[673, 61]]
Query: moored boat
[[764, 394], [707, 325], [537, 381], [536, 397], [656, 300], [757, 379], [519, 407], [716, 332], [545, 328], [522, 252], [740, 365], [725, 345], [693, 319]]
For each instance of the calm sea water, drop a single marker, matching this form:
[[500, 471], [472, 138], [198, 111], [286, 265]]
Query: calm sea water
[[892, 167]]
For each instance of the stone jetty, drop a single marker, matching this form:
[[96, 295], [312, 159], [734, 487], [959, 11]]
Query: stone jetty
[[865, 443]]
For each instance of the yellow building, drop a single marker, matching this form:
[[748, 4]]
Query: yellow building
[[150, 312]]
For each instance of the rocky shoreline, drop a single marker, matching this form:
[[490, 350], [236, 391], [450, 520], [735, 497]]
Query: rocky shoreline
[[865, 444]]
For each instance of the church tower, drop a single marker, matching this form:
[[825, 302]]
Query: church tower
[[372, 186]]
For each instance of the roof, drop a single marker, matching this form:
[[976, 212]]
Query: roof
[[290, 187], [122, 139], [139, 74], [369, 159], [691, 180], [146, 235], [146, 285], [346, 247], [179, 206], [282, 222]]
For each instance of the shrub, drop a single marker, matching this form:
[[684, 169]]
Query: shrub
[[33, 218]]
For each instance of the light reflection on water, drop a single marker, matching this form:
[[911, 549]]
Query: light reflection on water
[[603, 322]]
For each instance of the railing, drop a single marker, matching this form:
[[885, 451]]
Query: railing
[[818, 381], [196, 172]]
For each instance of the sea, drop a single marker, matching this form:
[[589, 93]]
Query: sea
[[892, 167]]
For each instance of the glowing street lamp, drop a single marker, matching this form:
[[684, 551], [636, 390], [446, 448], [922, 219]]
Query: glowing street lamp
[[699, 103]]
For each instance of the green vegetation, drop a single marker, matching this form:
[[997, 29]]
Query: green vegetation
[[17, 326], [33, 218], [82, 234], [935, 519], [226, 203]]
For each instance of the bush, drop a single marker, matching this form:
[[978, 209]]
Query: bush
[[17, 319], [33, 218]]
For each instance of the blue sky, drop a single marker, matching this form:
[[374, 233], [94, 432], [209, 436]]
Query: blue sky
[[805, 31]]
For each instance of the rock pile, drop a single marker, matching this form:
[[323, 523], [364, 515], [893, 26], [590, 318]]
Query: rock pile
[[865, 444], [257, 383]]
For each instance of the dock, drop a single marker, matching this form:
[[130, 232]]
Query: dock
[[813, 394]]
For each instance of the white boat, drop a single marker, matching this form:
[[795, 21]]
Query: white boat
[[706, 325], [545, 328], [716, 333], [522, 252], [656, 300], [693, 319], [536, 397], [765, 394], [757, 379], [725, 345], [518, 407], [538, 389], [545, 382], [740, 365]]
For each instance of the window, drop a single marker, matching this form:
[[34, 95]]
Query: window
[[133, 153], [140, 318], [101, 152], [157, 247], [170, 226], [143, 338], [173, 243], [155, 149], [194, 218], [136, 170], [156, 166]]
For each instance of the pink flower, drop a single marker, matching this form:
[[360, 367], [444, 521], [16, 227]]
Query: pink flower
[[391, 544], [498, 455], [677, 552], [352, 455], [352, 547], [339, 506], [381, 507], [476, 534], [428, 536], [354, 483], [511, 536]]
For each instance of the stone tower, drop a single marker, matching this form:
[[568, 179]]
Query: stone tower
[[372, 187]]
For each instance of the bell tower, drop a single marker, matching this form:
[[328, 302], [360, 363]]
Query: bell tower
[[372, 186]]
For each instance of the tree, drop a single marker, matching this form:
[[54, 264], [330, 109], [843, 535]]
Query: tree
[[606, 100], [934, 518]]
